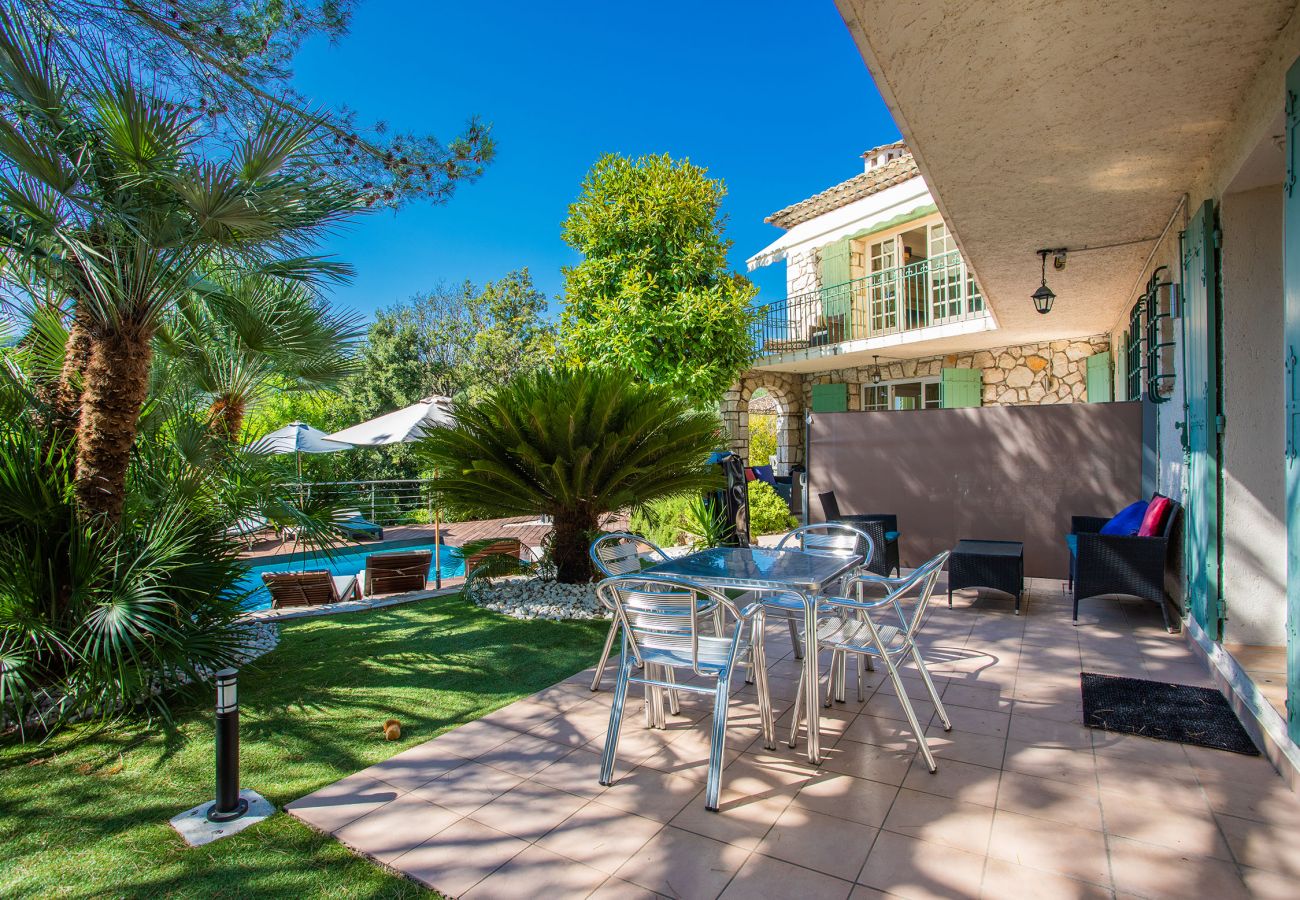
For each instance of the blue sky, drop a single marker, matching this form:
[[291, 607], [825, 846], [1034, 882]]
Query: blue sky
[[771, 97]]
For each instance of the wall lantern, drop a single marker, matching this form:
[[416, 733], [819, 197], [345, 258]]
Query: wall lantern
[[875, 370], [1043, 297]]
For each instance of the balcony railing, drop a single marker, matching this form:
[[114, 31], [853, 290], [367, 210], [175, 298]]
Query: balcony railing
[[397, 502], [935, 291]]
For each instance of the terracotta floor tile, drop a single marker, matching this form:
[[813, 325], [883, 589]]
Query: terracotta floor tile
[[978, 721], [830, 845], [535, 872], [474, 738], [1056, 763], [651, 793], [1053, 801], [468, 787], [1048, 733], [975, 697], [459, 857], [600, 836], [528, 810], [890, 733], [954, 779], [843, 796], [765, 878], [526, 714], [1056, 847], [1004, 880], [867, 761], [688, 756], [1269, 885], [414, 767], [1193, 832], [396, 827], [618, 889], [334, 806], [905, 867], [523, 755], [741, 820], [939, 820], [578, 772], [676, 863], [1262, 846], [1145, 870], [976, 749]]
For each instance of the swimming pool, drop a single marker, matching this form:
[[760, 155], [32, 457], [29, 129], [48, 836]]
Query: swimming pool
[[343, 561]]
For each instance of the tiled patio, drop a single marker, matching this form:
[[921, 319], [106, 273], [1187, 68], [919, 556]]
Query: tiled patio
[[1026, 803]]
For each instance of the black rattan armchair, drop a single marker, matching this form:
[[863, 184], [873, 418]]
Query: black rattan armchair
[[883, 528], [1121, 564]]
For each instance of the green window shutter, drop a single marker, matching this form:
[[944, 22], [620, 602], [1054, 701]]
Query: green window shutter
[[961, 388], [1121, 365], [1099, 380], [833, 263], [836, 294], [830, 398]]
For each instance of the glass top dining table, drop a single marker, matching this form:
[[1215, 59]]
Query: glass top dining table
[[771, 570]]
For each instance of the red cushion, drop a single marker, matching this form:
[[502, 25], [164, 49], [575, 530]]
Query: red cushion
[[1153, 523], [749, 474]]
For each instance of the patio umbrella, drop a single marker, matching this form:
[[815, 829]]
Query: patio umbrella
[[297, 438], [400, 427], [404, 425]]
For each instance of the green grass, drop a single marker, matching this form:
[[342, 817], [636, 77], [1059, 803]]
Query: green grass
[[86, 812]]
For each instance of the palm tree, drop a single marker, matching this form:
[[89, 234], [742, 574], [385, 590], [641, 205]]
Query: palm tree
[[243, 336], [111, 200], [573, 445]]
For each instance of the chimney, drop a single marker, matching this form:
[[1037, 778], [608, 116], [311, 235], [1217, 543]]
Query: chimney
[[878, 156]]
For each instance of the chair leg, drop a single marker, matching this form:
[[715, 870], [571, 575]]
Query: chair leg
[[861, 666], [1075, 620], [794, 638], [929, 686], [674, 704], [718, 746], [615, 721], [604, 655], [906, 703], [832, 675], [797, 716], [758, 667]]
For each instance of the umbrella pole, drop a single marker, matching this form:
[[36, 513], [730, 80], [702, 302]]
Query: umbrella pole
[[437, 539]]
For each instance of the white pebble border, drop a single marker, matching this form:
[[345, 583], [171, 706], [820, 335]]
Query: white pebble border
[[536, 598]]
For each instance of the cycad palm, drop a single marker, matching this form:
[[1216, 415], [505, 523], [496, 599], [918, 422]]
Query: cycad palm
[[111, 202], [573, 445]]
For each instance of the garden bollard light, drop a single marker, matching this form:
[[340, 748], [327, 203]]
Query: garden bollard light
[[229, 805]]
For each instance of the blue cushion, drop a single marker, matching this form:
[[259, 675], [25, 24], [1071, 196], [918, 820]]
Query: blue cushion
[[1128, 520], [891, 535], [1072, 541], [764, 473]]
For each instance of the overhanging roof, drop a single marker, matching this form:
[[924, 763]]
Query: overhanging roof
[[1076, 123]]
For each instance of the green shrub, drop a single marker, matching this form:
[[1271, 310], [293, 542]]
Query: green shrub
[[768, 513], [663, 521], [762, 439]]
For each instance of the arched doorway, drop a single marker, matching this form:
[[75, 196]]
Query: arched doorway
[[765, 415]]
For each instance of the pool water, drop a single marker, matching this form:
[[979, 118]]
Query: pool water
[[343, 561]]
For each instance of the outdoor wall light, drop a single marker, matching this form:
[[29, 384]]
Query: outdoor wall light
[[1043, 297], [875, 370]]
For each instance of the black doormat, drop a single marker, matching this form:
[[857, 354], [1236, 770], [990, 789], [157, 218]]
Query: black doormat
[[1169, 712]]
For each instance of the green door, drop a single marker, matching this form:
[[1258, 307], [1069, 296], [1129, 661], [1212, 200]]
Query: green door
[[1290, 353], [1099, 378], [837, 307], [960, 388], [1200, 421]]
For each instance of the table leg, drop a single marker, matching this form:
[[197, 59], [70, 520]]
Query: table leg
[[811, 681]]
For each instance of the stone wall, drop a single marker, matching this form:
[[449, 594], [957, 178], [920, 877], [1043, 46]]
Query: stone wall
[[1029, 374]]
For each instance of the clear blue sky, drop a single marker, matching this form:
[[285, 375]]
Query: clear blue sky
[[771, 97]]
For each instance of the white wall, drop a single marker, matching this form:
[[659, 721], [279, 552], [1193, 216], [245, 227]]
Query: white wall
[[1254, 502]]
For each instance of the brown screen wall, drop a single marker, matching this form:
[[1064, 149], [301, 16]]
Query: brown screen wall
[[998, 473]]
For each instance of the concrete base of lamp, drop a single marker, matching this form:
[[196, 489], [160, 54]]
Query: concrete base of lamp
[[193, 824]]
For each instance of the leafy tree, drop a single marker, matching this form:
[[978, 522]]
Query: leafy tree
[[231, 60], [653, 292], [112, 201], [573, 445]]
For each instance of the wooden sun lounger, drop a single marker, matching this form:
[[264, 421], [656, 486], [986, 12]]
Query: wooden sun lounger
[[398, 572], [309, 588], [505, 546]]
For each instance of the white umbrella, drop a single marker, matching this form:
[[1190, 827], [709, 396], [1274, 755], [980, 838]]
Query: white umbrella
[[297, 438], [404, 425]]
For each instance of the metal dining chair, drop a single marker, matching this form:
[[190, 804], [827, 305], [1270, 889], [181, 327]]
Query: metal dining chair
[[835, 538], [851, 628], [620, 553], [666, 624]]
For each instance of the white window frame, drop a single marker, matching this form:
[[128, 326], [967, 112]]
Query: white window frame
[[889, 384]]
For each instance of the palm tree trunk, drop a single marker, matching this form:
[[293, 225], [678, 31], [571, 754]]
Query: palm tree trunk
[[570, 536], [115, 384], [226, 417]]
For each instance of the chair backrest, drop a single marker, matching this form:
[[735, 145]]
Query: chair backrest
[[500, 547], [398, 571], [621, 553], [300, 588], [839, 538], [664, 614], [830, 506], [911, 594]]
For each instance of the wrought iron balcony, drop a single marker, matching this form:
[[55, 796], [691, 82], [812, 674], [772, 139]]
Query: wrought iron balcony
[[935, 291]]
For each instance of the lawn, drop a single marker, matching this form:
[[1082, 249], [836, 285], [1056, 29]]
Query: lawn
[[86, 813]]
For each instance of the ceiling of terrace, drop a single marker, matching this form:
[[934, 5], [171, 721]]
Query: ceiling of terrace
[[1078, 123]]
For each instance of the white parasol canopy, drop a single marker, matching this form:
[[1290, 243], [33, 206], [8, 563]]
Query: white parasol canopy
[[404, 425], [297, 437]]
